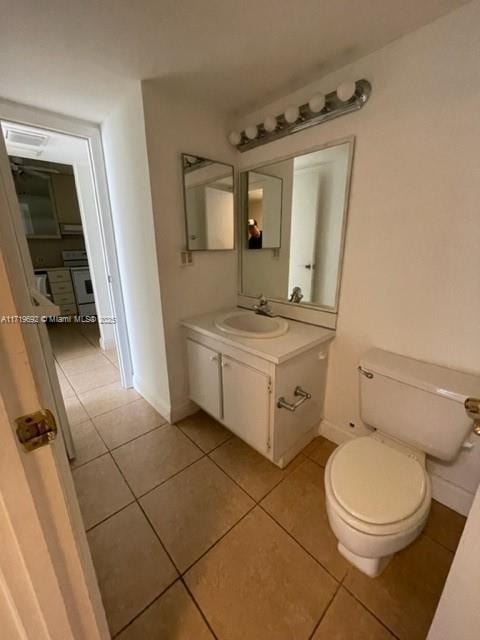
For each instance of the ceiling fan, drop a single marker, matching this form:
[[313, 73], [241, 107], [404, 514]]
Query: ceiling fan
[[19, 169]]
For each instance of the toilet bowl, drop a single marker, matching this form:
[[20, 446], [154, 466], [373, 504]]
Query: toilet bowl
[[378, 497], [377, 488]]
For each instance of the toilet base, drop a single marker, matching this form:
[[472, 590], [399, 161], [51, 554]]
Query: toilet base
[[372, 567]]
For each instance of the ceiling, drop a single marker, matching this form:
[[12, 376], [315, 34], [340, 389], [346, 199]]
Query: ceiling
[[78, 57]]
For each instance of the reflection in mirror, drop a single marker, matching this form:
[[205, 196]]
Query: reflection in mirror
[[264, 210], [209, 204], [313, 201]]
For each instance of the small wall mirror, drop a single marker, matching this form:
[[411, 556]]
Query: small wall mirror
[[306, 197], [209, 204], [264, 211]]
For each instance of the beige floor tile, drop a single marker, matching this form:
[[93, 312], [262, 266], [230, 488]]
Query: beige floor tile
[[106, 398], [65, 386], [154, 457], [125, 423], [445, 525], [101, 490], [405, 595], [191, 511], [346, 619], [319, 450], [94, 379], [206, 432], [87, 363], [173, 616], [132, 567], [298, 504], [75, 410], [254, 473], [80, 349], [87, 442], [257, 583]]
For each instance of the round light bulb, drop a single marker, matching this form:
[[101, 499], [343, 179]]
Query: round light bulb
[[316, 103], [251, 132], [234, 138], [291, 114], [345, 91], [270, 123]]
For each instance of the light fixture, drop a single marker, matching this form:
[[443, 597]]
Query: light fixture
[[345, 91], [270, 123], [316, 103], [291, 114], [347, 98], [235, 138]]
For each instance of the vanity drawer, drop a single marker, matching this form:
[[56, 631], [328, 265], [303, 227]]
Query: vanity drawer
[[64, 299], [63, 275], [61, 288]]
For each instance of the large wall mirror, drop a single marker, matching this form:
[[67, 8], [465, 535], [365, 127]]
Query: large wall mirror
[[304, 203], [209, 204]]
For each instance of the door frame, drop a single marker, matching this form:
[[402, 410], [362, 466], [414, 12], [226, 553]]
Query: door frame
[[91, 132], [46, 570]]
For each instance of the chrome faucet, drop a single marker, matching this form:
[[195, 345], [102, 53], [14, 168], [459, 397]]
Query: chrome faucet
[[263, 307]]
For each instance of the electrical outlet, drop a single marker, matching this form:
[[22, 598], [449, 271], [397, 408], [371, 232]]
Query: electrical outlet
[[186, 258]]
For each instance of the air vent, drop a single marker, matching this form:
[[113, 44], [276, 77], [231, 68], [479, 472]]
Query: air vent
[[17, 136]]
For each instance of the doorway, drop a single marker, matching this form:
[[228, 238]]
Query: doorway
[[68, 246]]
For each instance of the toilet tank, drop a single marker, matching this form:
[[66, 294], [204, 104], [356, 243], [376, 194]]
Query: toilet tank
[[416, 402]]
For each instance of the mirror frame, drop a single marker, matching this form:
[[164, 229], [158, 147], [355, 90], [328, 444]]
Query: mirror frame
[[243, 200], [245, 183], [184, 192]]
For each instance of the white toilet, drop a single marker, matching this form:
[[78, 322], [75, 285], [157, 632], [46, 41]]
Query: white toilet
[[378, 491]]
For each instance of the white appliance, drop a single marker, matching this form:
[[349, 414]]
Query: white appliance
[[378, 491], [77, 261]]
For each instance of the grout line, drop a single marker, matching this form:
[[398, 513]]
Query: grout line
[[140, 435], [372, 613], [324, 613], [145, 608], [198, 607], [174, 475], [94, 526]]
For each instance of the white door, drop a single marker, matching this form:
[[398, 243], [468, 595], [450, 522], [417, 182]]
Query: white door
[[48, 588], [246, 402], [204, 378]]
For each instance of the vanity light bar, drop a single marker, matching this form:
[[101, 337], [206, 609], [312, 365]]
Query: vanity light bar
[[348, 97]]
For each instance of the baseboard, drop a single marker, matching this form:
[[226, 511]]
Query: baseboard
[[152, 397], [443, 491], [450, 495], [106, 345], [333, 432]]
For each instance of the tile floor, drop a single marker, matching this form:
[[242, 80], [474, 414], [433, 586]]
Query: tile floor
[[195, 536]]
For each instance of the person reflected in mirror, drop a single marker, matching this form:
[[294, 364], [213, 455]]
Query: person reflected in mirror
[[254, 235]]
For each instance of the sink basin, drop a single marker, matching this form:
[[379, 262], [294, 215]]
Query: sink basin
[[251, 325]]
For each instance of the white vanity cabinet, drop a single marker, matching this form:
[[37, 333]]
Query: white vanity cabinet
[[240, 384]]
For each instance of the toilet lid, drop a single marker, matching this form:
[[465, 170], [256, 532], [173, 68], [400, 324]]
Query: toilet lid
[[375, 482]]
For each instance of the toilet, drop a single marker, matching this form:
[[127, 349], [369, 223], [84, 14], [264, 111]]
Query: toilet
[[378, 492]]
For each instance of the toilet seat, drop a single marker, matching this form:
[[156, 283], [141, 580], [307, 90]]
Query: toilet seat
[[378, 488]]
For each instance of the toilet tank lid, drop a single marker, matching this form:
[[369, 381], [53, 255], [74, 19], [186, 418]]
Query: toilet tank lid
[[450, 383]]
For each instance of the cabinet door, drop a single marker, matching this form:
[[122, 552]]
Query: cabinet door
[[204, 377], [68, 211], [246, 401]]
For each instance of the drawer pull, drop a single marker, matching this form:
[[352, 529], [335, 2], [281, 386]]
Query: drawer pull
[[293, 406]]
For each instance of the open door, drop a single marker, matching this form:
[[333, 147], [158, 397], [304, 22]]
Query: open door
[[48, 588]]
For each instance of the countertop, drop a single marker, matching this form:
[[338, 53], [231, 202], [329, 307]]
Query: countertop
[[299, 338]]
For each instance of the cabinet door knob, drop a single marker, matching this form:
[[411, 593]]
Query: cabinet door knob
[[213, 358], [225, 364]]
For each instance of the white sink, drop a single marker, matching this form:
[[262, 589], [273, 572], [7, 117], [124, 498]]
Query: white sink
[[251, 325]]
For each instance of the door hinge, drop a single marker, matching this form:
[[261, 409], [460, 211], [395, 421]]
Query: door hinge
[[269, 387], [36, 429]]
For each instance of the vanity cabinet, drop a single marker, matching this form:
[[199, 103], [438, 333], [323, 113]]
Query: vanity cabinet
[[240, 386]]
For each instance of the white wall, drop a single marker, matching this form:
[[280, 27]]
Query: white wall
[[174, 126], [124, 142], [412, 263]]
